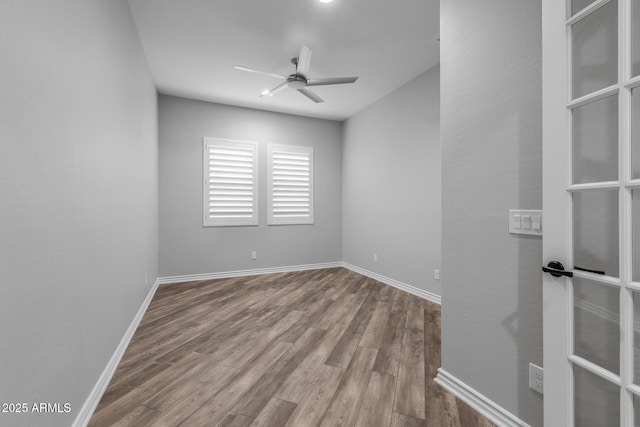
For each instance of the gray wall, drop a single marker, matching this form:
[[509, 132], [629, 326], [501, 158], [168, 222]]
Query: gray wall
[[186, 247], [491, 162], [78, 196], [392, 184]]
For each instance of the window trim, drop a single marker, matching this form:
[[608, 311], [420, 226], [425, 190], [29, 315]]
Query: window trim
[[207, 221], [289, 149]]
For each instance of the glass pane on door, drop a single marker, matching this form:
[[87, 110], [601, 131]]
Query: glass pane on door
[[595, 230], [635, 38], [595, 141], [636, 338], [635, 218], [635, 133], [578, 5], [596, 313], [597, 401], [595, 50]]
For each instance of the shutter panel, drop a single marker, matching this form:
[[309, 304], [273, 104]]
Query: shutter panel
[[230, 183], [291, 185]]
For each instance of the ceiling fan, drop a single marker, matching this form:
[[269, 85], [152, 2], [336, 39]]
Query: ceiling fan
[[299, 79]]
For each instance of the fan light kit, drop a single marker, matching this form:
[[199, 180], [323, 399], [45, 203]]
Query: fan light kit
[[299, 80]]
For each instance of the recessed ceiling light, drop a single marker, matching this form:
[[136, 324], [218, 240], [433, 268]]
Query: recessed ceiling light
[[326, 1]]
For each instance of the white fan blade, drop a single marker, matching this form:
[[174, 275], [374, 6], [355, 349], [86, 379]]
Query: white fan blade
[[311, 95], [304, 61], [331, 81], [252, 70], [274, 90]]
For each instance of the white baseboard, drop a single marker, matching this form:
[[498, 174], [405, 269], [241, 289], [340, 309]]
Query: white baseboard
[[477, 401], [396, 284], [98, 390], [240, 273]]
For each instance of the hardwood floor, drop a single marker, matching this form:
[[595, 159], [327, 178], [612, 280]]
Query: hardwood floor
[[313, 348]]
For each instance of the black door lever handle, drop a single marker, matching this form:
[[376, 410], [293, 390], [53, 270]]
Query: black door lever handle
[[556, 269], [557, 273]]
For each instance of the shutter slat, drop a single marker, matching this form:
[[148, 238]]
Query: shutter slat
[[291, 174], [280, 157], [290, 184], [304, 169]]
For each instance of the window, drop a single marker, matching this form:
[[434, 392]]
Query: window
[[290, 185], [230, 183]]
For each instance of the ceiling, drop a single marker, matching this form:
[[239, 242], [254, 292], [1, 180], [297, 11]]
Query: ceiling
[[193, 45]]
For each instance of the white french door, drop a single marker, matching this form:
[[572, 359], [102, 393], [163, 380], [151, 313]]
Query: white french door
[[591, 169]]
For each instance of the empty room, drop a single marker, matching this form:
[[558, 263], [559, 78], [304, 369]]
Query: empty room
[[319, 213]]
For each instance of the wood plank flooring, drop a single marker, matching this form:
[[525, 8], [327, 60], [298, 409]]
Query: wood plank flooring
[[314, 348]]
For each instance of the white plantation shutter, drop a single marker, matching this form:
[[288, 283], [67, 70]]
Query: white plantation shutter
[[290, 185], [230, 183]]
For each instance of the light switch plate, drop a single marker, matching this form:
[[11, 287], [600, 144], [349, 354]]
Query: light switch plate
[[529, 222]]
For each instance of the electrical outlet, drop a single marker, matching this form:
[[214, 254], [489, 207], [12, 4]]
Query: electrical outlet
[[375, 257], [536, 378], [436, 274], [146, 278], [254, 255]]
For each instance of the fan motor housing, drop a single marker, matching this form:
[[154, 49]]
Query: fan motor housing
[[295, 81]]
